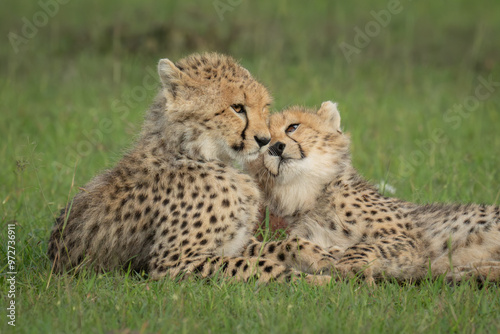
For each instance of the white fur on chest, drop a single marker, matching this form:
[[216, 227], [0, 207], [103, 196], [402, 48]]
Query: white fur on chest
[[234, 247], [298, 196]]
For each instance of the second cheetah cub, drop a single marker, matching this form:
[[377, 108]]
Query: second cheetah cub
[[308, 179]]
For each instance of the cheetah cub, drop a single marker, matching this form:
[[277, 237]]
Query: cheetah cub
[[174, 204], [308, 179]]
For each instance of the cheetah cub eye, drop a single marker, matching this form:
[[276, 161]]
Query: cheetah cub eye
[[291, 128], [238, 108]]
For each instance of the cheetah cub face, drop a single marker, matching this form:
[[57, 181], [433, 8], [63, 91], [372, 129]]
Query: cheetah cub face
[[306, 147], [219, 110]]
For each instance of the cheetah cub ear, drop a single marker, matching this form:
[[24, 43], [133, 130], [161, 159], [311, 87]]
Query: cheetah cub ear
[[330, 114], [171, 76]]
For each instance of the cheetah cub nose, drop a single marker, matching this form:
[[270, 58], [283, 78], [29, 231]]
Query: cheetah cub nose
[[262, 141], [277, 149]]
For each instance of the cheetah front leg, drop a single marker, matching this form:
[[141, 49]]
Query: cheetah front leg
[[395, 256], [480, 270], [238, 268], [293, 252]]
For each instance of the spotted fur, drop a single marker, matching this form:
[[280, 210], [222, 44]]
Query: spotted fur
[[174, 204], [308, 179]]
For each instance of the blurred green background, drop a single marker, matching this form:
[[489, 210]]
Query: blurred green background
[[77, 76]]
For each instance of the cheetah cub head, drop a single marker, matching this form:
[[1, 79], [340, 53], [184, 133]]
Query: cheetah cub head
[[214, 107], [307, 150]]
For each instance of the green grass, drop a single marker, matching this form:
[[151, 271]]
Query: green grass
[[72, 103]]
